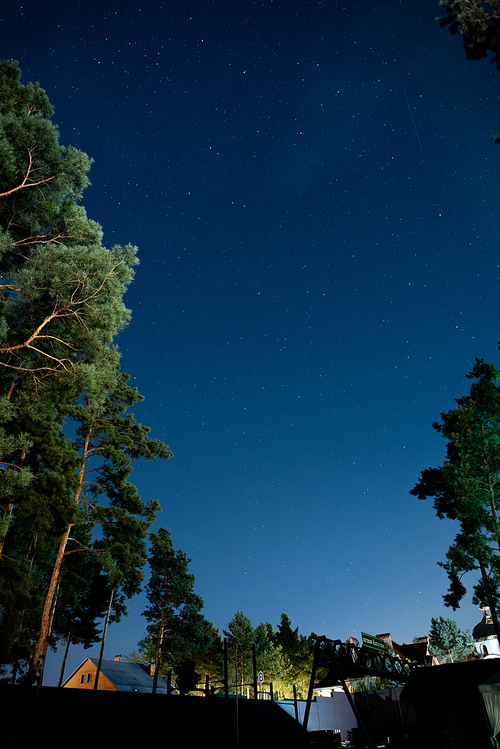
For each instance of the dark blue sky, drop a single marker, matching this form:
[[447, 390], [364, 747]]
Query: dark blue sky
[[314, 193]]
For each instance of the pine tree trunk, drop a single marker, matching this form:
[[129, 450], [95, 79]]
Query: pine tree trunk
[[47, 608], [158, 651], [491, 493], [56, 573], [7, 519], [159, 642]]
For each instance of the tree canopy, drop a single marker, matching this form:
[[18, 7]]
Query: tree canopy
[[478, 21], [448, 643], [282, 655]]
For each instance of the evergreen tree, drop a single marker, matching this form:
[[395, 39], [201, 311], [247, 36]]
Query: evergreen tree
[[269, 658], [85, 592], [241, 638], [209, 660], [448, 643], [108, 439], [242, 641], [61, 305], [466, 488], [56, 273], [177, 630], [61, 302], [298, 655]]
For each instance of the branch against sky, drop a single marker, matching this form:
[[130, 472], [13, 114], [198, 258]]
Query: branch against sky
[[479, 24], [62, 290]]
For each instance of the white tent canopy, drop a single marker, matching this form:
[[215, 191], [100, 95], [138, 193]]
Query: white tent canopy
[[491, 696]]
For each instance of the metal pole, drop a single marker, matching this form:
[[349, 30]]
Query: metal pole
[[254, 664], [236, 695], [226, 676], [311, 685], [255, 696], [271, 689]]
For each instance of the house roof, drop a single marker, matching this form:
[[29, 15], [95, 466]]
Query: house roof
[[127, 677], [484, 629], [414, 651]]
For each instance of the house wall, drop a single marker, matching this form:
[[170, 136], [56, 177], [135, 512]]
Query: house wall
[[488, 647], [84, 678]]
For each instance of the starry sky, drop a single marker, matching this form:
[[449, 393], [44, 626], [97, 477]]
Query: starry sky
[[314, 193]]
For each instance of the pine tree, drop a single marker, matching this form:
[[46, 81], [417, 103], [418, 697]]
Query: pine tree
[[177, 629], [107, 440], [243, 641], [62, 290], [448, 643], [298, 654], [240, 639], [466, 489], [269, 657], [61, 306]]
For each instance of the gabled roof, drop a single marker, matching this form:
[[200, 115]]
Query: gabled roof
[[414, 651], [126, 677]]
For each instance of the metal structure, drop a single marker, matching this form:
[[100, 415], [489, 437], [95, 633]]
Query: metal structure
[[369, 659], [351, 661], [344, 660]]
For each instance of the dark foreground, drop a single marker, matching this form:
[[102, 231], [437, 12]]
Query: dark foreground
[[80, 719], [455, 706]]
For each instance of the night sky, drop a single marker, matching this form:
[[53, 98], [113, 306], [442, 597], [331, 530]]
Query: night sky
[[314, 193]]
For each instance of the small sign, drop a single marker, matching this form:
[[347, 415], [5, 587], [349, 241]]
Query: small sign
[[373, 643], [260, 677]]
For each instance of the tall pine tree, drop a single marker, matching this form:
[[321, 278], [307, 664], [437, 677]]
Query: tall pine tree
[[177, 629], [466, 489], [66, 440]]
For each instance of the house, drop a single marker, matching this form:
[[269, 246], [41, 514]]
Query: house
[[115, 676], [485, 639], [416, 652]]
